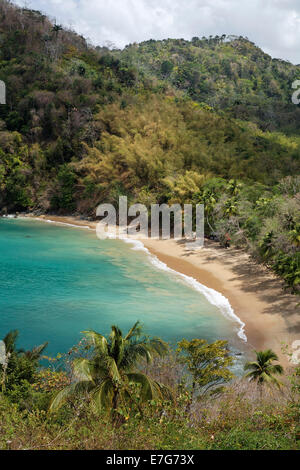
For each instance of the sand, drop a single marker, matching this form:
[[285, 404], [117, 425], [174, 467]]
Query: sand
[[271, 315]]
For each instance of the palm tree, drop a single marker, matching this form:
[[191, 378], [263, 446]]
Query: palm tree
[[267, 245], [10, 341], [263, 370], [234, 187], [35, 353], [32, 355], [12, 358], [288, 266], [108, 375], [230, 207], [209, 199], [294, 236]]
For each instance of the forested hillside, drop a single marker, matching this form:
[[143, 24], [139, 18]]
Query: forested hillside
[[228, 73], [209, 121]]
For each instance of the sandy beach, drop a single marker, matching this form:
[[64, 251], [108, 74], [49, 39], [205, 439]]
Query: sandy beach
[[271, 315]]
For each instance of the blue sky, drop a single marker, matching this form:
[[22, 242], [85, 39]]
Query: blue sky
[[274, 25]]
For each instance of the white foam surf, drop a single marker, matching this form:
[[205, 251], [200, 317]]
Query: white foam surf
[[214, 297], [57, 222]]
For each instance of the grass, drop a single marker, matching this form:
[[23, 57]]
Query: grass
[[238, 419]]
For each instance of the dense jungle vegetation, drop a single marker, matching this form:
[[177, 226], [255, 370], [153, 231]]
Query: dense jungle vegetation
[[206, 121], [203, 121], [132, 392]]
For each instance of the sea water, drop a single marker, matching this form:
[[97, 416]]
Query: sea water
[[57, 281]]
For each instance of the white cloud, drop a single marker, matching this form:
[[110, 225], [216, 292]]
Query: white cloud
[[274, 25]]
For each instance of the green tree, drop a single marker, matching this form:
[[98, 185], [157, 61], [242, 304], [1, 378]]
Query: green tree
[[234, 187], [230, 208], [267, 245], [112, 370], [166, 67], [294, 236], [207, 363], [18, 366], [288, 266], [263, 371]]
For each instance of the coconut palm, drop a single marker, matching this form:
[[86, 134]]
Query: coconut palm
[[294, 236], [267, 244], [263, 370], [17, 363], [108, 375], [209, 199], [234, 187], [32, 355], [10, 341], [288, 266], [230, 207]]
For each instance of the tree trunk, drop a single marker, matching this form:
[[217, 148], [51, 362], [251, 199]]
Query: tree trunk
[[189, 405]]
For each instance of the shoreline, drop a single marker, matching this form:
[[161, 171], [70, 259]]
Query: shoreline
[[271, 315]]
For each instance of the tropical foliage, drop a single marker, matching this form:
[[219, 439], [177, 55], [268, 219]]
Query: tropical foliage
[[203, 121], [111, 371], [18, 365], [239, 416], [207, 363], [208, 120], [263, 371], [225, 72]]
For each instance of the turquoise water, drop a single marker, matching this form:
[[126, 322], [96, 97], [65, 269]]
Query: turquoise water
[[56, 281]]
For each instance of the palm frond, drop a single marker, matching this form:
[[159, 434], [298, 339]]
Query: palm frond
[[98, 341], [102, 396], [158, 346], [135, 352], [113, 370], [252, 375], [135, 331], [110, 369], [148, 389], [276, 369], [117, 344], [263, 370], [165, 392], [36, 352], [82, 369], [72, 390], [10, 341]]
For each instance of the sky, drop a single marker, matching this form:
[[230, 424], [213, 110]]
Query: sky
[[274, 25]]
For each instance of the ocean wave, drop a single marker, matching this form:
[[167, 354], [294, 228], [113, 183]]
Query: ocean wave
[[57, 222], [137, 245], [214, 297]]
